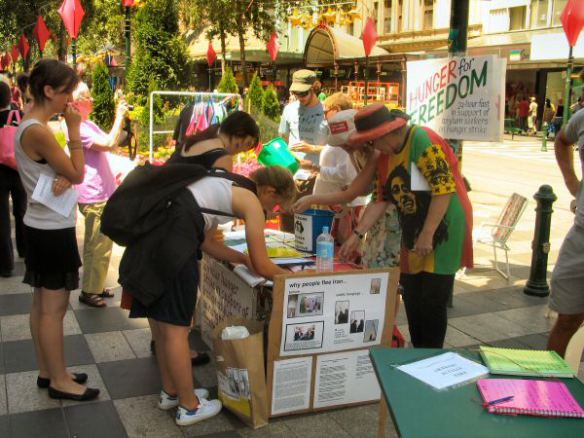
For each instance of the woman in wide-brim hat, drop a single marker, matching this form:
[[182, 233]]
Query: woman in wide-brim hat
[[417, 171]]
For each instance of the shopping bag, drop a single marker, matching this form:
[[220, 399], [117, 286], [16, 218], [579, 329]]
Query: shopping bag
[[241, 373], [7, 134]]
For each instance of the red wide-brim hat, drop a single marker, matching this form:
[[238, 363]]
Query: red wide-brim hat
[[374, 121]]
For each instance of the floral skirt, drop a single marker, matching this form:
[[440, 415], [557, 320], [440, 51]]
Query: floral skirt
[[381, 248]]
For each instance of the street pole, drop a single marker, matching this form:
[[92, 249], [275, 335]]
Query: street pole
[[366, 79], [457, 47], [457, 39], [74, 52], [568, 89], [128, 35]]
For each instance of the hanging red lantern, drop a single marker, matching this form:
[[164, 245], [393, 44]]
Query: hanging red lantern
[[128, 3], [5, 61], [72, 14], [41, 33], [369, 36], [14, 53], [23, 46], [211, 55], [273, 46], [573, 20]]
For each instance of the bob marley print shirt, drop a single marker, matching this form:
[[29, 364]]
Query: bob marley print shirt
[[411, 189]]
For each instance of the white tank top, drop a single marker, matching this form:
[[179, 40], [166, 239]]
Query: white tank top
[[37, 215], [213, 193]]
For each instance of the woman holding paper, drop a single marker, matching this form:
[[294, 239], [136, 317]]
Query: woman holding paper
[[52, 259]]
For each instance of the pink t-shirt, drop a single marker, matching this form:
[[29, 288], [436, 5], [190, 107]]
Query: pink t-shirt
[[99, 182]]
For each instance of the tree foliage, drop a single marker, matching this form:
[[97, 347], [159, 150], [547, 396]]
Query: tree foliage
[[104, 107], [271, 104], [255, 95], [228, 83], [160, 51]]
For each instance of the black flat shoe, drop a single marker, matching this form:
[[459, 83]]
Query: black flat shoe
[[89, 394], [44, 383]]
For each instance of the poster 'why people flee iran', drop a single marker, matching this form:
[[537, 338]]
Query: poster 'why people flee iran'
[[460, 98]]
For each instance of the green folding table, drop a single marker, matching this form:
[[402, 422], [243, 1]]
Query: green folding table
[[420, 411]]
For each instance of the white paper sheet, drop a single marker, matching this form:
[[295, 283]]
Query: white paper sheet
[[445, 370], [62, 204], [418, 182], [343, 378], [291, 385]]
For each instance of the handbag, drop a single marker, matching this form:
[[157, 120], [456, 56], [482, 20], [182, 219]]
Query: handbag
[[7, 134]]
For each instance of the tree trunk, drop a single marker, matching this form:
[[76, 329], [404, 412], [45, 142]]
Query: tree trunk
[[241, 35], [223, 51]]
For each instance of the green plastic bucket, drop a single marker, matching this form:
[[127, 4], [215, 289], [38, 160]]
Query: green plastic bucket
[[276, 153]]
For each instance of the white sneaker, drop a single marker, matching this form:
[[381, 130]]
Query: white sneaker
[[166, 402], [206, 409]]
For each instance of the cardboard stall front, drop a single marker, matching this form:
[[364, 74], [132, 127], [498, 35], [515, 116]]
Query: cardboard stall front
[[321, 327]]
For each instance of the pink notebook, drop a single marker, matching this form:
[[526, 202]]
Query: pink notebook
[[546, 398]]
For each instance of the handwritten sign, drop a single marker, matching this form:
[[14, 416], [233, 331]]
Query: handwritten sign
[[460, 98]]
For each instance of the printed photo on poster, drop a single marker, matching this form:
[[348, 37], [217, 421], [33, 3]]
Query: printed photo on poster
[[237, 385], [375, 286], [304, 336], [357, 321], [305, 305], [342, 312], [371, 330]]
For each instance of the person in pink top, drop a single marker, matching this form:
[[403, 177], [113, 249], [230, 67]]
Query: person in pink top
[[97, 187]]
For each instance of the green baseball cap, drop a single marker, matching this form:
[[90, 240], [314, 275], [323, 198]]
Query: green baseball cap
[[302, 81]]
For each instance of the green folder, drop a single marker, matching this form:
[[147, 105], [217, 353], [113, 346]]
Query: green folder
[[538, 363]]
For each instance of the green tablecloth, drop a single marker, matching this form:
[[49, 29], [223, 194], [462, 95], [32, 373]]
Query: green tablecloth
[[419, 411]]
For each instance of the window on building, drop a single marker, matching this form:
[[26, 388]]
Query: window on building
[[557, 10], [428, 14], [387, 16], [517, 18], [539, 9]]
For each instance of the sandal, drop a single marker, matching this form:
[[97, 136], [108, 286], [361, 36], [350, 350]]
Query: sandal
[[93, 300], [106, 293]]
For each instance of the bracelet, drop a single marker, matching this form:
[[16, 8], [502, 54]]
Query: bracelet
[[358, 234]]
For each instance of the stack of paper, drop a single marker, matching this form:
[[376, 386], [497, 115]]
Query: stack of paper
[[525, 362]]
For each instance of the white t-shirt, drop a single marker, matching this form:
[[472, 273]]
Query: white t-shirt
[[336, 172], [213, 193]]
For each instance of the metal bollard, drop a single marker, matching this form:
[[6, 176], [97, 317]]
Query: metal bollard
[[537, 284]]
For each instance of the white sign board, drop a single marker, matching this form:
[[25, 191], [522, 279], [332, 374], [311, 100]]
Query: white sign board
[[460, 98], [325, 314]]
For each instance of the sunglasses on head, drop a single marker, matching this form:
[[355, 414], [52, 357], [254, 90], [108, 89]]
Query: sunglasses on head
[[301, 93]]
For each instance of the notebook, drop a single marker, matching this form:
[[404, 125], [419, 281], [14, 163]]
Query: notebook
[[536, 363], [545, 398]]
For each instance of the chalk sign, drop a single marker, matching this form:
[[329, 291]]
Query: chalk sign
[[460, 98]]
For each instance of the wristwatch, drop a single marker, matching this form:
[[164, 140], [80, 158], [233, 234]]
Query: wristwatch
[[358, 234]]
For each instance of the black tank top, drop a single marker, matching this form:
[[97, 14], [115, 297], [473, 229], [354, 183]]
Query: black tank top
[[206, 159]]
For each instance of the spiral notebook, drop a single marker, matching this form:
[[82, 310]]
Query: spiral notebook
[[537, 363], [545, 398]]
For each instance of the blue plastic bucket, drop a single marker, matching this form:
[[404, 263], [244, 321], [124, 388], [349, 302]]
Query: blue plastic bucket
[[276, 153], [308, 226]]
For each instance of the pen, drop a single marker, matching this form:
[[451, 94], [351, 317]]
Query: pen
[[499, 400]]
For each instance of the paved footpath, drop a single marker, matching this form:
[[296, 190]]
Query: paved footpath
[[114, 350]]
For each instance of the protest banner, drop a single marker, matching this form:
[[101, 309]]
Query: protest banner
[[460, 98]]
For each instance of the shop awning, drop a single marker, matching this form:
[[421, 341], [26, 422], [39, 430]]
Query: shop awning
[[326, 46]]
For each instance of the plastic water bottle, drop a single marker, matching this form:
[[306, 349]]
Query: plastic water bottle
[[325, 251]]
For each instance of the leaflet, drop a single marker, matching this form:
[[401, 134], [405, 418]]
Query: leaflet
[[43, 193]]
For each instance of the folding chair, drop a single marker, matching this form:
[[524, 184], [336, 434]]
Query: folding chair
[[497, 234]]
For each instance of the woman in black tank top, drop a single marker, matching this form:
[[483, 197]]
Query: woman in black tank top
[[214, 146]]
